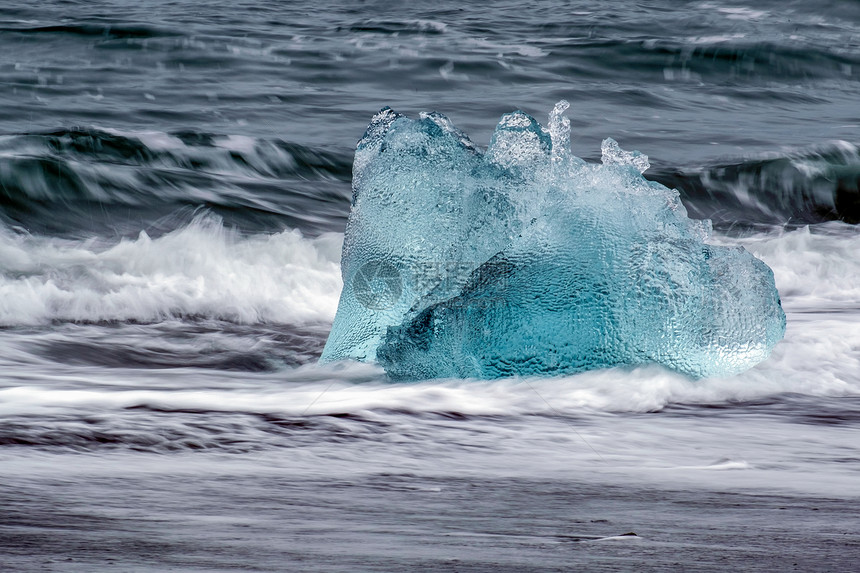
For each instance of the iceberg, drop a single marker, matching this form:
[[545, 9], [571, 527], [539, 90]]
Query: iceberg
[[526, 260]]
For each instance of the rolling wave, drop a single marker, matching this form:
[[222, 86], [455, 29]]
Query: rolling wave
[[794, 188], [78, 180]]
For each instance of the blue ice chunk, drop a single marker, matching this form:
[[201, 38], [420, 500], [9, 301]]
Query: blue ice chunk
[[427, 209], [519, 142], [525, 260]]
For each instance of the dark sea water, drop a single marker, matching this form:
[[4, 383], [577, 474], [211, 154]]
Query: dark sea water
[[174, 185]]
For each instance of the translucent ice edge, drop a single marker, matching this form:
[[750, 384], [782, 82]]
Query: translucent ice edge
[[526, 260]]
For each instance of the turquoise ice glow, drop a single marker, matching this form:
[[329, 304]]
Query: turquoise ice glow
[[526, 260]]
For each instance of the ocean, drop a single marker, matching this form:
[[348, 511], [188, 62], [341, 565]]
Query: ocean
[[175, 178]]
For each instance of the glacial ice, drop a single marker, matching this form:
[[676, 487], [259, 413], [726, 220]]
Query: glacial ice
[[526, 260]]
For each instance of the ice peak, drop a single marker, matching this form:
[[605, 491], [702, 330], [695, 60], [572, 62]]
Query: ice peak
[[559, 132], [612, 154]]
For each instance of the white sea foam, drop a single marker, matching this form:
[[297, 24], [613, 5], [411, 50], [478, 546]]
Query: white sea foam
[[813, 271], [742, 13], [202, 269], [240, 143], [522, 431], [206, 270], [154, 140], [818, 358]]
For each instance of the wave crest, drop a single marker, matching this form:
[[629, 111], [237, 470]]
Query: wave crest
[[202, 269], [795, 188]]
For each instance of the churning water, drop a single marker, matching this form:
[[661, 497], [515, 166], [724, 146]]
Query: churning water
[[174, 184]]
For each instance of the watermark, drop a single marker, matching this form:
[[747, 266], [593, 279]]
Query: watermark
[[377, 285], [382, 284]]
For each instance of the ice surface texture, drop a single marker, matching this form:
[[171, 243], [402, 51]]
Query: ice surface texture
[[525, 260]]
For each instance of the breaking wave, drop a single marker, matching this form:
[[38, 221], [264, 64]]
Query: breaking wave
[[795, 188], [202, 269]]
